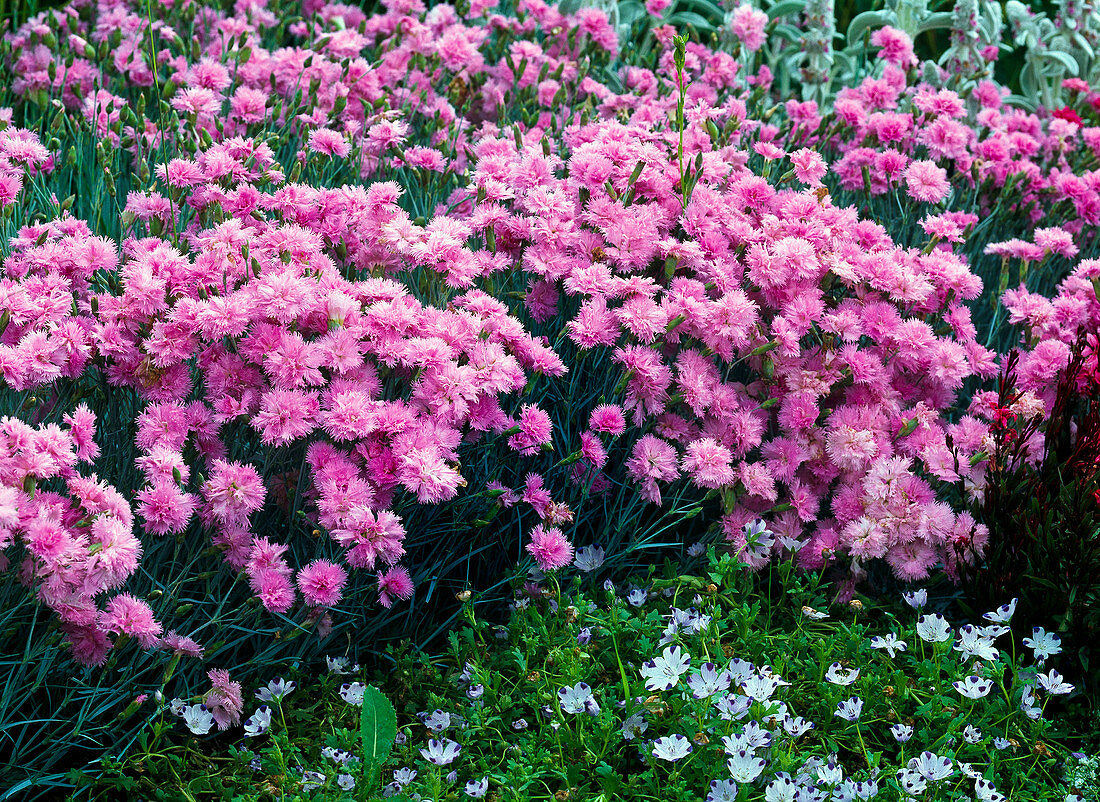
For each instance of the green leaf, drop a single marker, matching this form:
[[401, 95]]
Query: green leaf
[[861, 22], [377, 727], [938, 19], [1066, 60], [784, 7]]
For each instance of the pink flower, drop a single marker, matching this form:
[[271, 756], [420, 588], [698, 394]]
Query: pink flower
[[233, 491], [809, 167], [707, 462], [329, 142], [534, 430], [273, 589], [550, 548], [224, 700], [395, 582], [322, 583], [747, 25], [165, 507], [130, 616], [926, 182], [607, 418]]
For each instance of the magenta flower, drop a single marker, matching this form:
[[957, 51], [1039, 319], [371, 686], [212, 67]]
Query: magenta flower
[[550, 548], [395, 582], [322, 583]]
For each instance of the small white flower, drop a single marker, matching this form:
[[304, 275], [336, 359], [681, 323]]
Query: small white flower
[[339, 665], [663, 673], [696, 549], [1044, 644], [850, 709], [312, 780], [759, 687], [352, 692], [931, 766], [177, 706], [634, 726], [1003, 614], [1052, 683], [578, 699], [890, 643], [345, 781], [589, 558], [812, 614], [198, 719], [973, 687], [839, 676], [275, 690], [672, 748], [637, 597], [1002, 743], [797, 726], [723, 791], [744, 767], [708, 681], [733, 707], [519, 724], [973, 643], [436, 721], [916, 599], [403, 777], [781, 789], [985, 791], [933, 628], [901, 732], [1027, 704], [912, 782], [475, 691], [477, 788], [442, 752], [259, 722], [971, 734]]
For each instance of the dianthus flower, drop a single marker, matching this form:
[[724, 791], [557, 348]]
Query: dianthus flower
[[550, 548]]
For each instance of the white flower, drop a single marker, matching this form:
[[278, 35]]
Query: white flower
[[578, 699], [912, 782], [812, 614], [477, 788], [797, 726], [339, 665], [663, 673], [781, 789], [259, 722], [634, 727], [177, 706], [933, 628], [696, 549], [345, 781], [722, 791], [931, 766], [589, 558], [1002, 743], [839, 676], [442, 752], [972, 642], [672, 748], [973, 687], [850, 709], [637, 597], [275, 690], [1027, 704], [436, 721], [985, 791], [312, 780], [901, 732], [759, 687], [1003, 614], [1052, 683], [916, 599], [708, 681], [971, 734], [403, 777], [733, 707], [744, 767], [352, 693], [198, 719], [1044, 644], [890, 643]]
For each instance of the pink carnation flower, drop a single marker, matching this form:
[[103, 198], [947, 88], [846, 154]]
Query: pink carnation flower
[[395, 582], [550, 548], [322, 583]]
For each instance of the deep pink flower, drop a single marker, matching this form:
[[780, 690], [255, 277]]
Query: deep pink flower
[[550, 548], [322, 583], [395, 582]]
